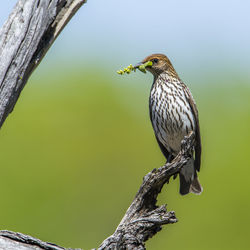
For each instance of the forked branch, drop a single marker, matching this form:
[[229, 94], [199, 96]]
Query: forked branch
[[24, 40], [143, 218]]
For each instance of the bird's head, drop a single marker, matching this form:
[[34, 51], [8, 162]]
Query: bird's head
[[157, 64]]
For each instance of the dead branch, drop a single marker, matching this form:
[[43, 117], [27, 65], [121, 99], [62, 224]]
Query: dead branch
[[143, 218], [24, 39], [11, 240]]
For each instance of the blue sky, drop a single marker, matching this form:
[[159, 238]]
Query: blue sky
[[192, 33]]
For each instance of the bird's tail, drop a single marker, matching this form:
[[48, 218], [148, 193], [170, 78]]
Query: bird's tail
[[189, 180]]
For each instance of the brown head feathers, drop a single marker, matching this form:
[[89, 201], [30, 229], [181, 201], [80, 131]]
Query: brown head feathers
[[160, 64]]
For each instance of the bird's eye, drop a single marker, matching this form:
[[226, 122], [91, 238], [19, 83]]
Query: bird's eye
[[155, 60]]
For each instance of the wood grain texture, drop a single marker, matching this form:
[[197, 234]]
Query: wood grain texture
[[17, 241], [143, 219], [25, 38]]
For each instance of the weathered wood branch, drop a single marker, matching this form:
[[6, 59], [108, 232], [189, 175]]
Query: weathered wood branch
[[25, 38], [142, 220], [11, 240]]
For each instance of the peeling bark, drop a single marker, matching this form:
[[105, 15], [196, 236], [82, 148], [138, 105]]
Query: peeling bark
[[24, 39], [143, 219]]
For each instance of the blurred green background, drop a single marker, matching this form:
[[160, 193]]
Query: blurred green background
[[79, 141]]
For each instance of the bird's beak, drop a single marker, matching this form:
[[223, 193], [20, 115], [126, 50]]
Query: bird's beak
[[142, 66], [138, 65]]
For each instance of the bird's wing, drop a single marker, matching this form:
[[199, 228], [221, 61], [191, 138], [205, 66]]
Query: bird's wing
[[163, 149], [192, 104]]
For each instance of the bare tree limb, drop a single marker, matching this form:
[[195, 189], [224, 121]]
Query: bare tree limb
[[142, 220], [25, 38], [11, 240]]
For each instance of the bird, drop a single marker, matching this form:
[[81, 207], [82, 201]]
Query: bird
[[173, 114]]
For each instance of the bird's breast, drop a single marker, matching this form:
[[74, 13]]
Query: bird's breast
[[171, 114]]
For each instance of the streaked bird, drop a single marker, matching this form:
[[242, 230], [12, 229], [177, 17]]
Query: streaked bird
[[173, 114]]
